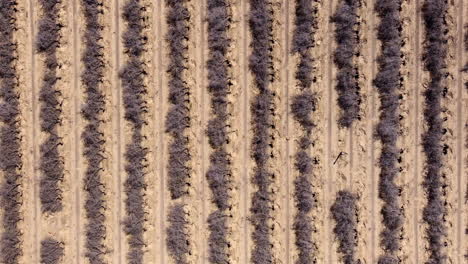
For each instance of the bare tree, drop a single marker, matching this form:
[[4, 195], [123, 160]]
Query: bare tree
[[347, 38]]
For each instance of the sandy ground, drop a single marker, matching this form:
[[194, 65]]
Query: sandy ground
[[356, 169]]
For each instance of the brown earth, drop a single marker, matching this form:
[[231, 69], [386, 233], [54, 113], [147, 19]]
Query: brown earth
[[356, 168]]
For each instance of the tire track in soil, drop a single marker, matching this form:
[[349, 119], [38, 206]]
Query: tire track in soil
[[235, 132], [415, 109], [452, 158], [76, 154], [286, 86], [160, 112], [203, 106], [374, 172], [417, 126], [320, 150], [34, 150], [362, 146], [25, 37], [461, 60], [118, 141], [245, 88], [406, 140], [331, 249]]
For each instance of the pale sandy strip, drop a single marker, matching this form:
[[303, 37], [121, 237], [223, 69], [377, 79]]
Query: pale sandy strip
[[450, 103], [236, 142], [108, 177], [406, 140], [363, 162], [245, 116], [282, 204], [76, 101], [204, 109], [464, 153], [461, 133], [27, 87], [329, 100], [110, 174], [118, 141], [204, 205], [416, 194], [194, 77], [320, 134], [35, 122], [290, 129], [160, 103], [375, 202]]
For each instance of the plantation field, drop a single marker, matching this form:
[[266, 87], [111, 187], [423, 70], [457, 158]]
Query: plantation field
[[234, 131]]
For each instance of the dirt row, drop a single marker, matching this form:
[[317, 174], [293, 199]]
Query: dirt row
[[343, 158]]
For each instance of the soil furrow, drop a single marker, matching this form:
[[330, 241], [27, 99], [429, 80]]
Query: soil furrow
[[287, 77], [246, 130], [374, 152], [461, 183], [33, 135], [199, 207], [417, 106], [118, 129], [74, 136], [160, 111], [329, 180]]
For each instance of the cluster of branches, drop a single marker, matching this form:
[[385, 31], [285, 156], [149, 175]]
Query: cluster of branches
[[434, 56], [388, 83], [302, 107], [10, 138], [178, 117], [51, 163], [219, 173], [92, 136], [263, 110], [344, 213], [177, 234], [177, 122], [134, 92], [51, 251], [347, 39]]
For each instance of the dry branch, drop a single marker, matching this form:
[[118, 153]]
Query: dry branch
[[51, 162], [344, 213], [177, 123], [52, 251], [10, 139], [92, 135], [219, 172], [347, 38], [388, 84], [434, 57], [302, 107], [262, 111], [134, 93]]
